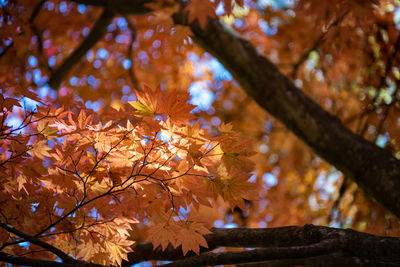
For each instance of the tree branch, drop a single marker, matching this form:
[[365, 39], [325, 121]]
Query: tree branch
[[4, 257], [94, 36], [38, 34], [40, 243], [30, 262], [330, 260], [233, 257], [137, 7], [131, 70], [282, 243]]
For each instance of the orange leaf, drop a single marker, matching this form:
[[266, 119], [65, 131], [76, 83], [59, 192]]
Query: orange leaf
[[162, 234], [177, 109], [40, 149], [191, 237], [199, 10], [148, 102]]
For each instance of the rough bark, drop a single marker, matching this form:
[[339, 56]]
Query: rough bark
[[371, 167], [307, 243], [331, 260]]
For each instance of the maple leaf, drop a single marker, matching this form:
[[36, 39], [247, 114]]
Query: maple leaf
[[237, 161], [195, 154], [148, 102], [117, 251], [190, 236], [199, 10], [40, 149], [50, 114], [162, 234], [162, 19], [84, 120], [21, 180], [44, 128], [225, 128], [175, 106], [87, 249], [236, 151], [59, 180], [8, 102], [124, 224], [228, 6], [28, 93], [191, 132], [236, 188]]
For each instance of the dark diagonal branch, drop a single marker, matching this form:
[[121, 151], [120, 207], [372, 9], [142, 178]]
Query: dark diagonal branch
[[35, 31], [372, 168], [124, 7], [36, 10], [63, 256], [5, 49], [131, 70], [335, 207], [94, 36]]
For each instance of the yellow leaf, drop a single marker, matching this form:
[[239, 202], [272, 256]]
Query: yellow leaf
[[44, 128], [40, 149], [141, 108]]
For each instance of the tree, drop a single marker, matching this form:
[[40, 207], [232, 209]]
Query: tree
[[101, 153]]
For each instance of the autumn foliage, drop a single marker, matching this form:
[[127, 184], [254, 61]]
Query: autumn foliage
[[118, 128], [82, 183]]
